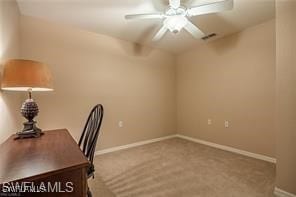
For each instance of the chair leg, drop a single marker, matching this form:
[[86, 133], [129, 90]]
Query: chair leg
[[89, 192]]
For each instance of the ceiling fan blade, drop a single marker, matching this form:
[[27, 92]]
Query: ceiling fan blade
[[144, 16], [174, 3], [211, 8], [192, 29], [160, 34]]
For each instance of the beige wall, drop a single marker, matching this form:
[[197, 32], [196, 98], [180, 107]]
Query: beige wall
[[9, 48], [135, 84], [230, 79], [286, 95], [138, 85]]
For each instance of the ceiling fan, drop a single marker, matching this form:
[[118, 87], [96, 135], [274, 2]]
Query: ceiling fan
[[176, 17]]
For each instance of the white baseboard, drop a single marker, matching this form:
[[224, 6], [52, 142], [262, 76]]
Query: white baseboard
[[230, 149], [222, 147], [117, 148], [281, 193]]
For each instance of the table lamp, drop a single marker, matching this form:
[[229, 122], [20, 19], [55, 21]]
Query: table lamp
[[29, 76]]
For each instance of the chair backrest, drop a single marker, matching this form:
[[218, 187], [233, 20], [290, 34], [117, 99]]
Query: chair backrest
[[89, 136]]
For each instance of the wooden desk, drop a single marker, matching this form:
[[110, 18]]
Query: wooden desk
[[54, 157]]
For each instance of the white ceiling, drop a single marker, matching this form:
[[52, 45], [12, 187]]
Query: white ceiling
[[107, 17]]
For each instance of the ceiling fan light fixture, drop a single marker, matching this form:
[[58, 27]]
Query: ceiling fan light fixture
[[175, 23]]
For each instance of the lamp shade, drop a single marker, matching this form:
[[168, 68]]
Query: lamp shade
[[24, 75]]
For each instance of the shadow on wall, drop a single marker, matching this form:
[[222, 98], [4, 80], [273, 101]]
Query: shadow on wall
[[9, 48], [9, 105], [8, 117], [218, 44], [228, 42], [221, 46], [137, 48]]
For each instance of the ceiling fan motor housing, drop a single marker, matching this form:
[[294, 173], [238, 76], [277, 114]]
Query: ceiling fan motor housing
[[175, 19], [175, 23]]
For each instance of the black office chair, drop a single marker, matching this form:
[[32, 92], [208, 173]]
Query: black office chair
[[89, 137]]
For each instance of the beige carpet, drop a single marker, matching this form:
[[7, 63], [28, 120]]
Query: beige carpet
[[181, 168]]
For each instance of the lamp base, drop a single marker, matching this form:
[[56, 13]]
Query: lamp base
[[30, 131], [29, 110]]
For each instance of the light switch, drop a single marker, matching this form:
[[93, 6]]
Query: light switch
[[209, 121], [226, 123], [120, 124]]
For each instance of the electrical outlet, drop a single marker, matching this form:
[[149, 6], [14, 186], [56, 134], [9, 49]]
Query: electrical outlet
[[209, 121], [120, 124], [226, 123]]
